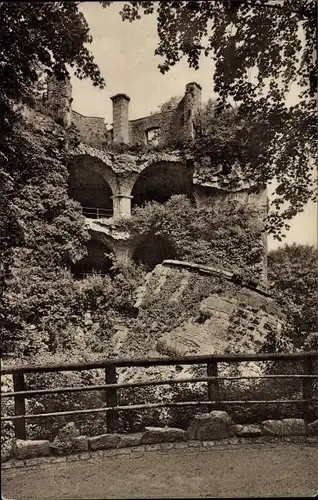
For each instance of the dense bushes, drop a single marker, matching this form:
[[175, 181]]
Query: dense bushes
[[292, 269], [204, 234]]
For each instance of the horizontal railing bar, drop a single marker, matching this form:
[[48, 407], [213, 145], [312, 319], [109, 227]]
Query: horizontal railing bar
[[97, 208], [163, 361], [128, 385], [152, 405]]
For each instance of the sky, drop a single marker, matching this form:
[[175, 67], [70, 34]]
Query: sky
[[124, 53]]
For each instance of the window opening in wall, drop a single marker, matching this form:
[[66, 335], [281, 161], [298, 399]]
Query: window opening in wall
[[153, 136]]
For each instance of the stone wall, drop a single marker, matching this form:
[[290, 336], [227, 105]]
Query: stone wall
[[174, 125], [59, 100], [205, 431], [138, 128], [91, 130]]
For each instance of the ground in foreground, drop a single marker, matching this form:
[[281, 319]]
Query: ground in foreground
[[238, 471]]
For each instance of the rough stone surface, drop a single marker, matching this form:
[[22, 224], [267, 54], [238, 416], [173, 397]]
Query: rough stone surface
[[211, 426], [313, 428], [81, 443], [284, 427], [153, 435], [91, 129], [128, 440], [22, 450], [250, 430], [138, 451], [104, 441], [215, 303], [5, 455], [65, 439], [239, 323]]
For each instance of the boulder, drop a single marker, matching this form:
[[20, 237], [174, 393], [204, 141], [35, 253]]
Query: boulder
[[22, 450], [104, 441], [211, 426], [128, 440], [65, 440], [5, 455], [284, 427], [80, 443], [248, 431], [154, 435], [313, 428]]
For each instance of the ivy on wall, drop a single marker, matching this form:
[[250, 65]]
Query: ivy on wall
[[229, 237]]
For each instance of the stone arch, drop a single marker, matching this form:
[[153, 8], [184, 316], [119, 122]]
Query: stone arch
[[92, 183], [98, 260], [152, 249], [161, 180]]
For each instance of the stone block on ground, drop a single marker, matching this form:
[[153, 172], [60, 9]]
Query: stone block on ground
[[104, 441], [284, 427], [313, 428], [248, 431], [5, 455], [80, 443], [128, 440], [153, 435], [21, 450], [65, 439], [211, 426]]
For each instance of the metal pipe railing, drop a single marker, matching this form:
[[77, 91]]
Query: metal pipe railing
[[97, 213]]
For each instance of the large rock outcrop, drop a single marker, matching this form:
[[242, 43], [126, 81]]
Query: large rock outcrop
[[237, 319]]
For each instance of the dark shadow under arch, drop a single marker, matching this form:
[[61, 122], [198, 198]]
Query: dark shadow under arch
[[88, 184], [160, 181], [94, 262], [153, 250]]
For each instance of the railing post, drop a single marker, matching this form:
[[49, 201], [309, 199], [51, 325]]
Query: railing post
[[307, 386], [19, 406], [213, 385], [111, 398]]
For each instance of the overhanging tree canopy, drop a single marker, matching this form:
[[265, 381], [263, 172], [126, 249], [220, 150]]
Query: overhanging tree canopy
[[275, 42]]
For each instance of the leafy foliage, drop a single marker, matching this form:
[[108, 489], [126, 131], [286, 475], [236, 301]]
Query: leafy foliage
[[50, 36], [293, 271], [203, 235], [262, 50], [42, 230], [170, 104]]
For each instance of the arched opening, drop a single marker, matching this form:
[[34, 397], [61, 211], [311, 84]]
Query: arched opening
[[98, 260], [153, 250], [160, 181], [89, 183]]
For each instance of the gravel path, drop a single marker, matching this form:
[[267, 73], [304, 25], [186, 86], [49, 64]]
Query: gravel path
[[238, 471]]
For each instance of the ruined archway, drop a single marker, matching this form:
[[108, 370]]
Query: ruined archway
[[98, 260], [92, 183], [153, 250], [160, 181]]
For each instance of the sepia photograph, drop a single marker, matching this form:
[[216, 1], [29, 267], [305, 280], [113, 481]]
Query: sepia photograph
[[158, 237]]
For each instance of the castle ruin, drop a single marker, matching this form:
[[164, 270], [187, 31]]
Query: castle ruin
[[109, 184]]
